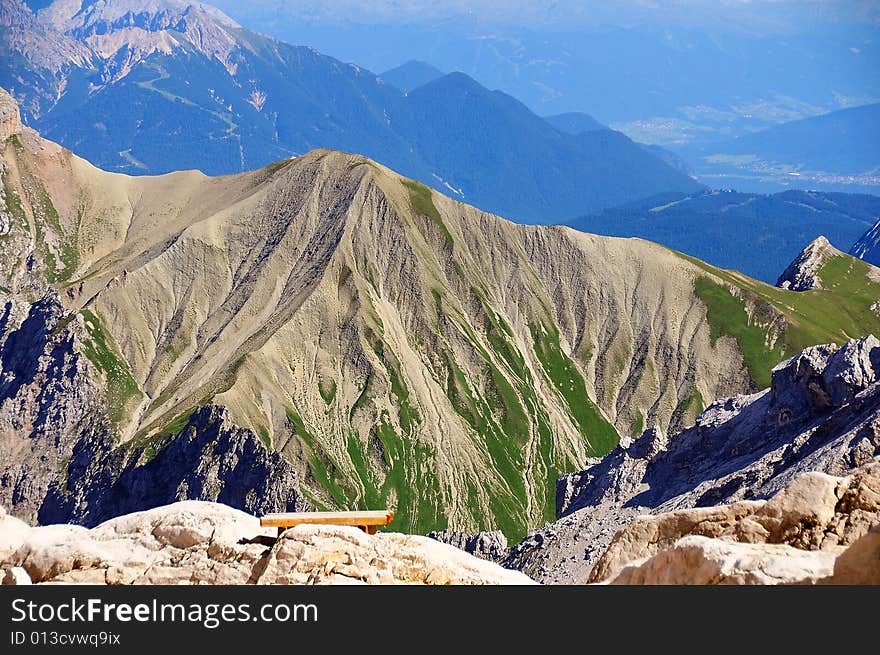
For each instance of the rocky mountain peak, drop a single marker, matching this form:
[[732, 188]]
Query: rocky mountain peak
[[72, 14], [140, 29], [801, 274], [826, 377], [10, 118]]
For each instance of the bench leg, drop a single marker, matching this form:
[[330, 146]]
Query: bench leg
[[369, 529], [281, 531]]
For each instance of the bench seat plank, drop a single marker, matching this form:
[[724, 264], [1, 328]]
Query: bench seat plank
[[364, 518]]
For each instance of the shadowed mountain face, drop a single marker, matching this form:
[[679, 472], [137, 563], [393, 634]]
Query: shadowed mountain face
[[756, 234], [574, 123], [411, 75], [146, 88], [868, 245], [396, 347]]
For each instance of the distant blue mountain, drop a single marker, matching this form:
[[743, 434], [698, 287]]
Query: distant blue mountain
[[663, 72], [487, 137], [755, 234], [149, 88], [575, 122], [411, 75], [844, 142], [868, 245]]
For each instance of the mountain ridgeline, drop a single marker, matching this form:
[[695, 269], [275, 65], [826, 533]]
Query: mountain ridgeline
[[752, 233], [396, 347], [181, 86]]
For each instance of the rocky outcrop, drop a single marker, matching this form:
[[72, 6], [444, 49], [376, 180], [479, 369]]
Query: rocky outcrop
[[815, 512], [704, 561], [860, 563], [822, 413], [803, 273], [10, 119], [209, 459], [12, 533], [208, 543], [491, 546], [59, 458], [310, 554], [48, 401]]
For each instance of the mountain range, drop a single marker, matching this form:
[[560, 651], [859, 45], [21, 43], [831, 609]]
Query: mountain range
[[163, 85], [664, 73], [340, 330], [753, 233], [839, 150]]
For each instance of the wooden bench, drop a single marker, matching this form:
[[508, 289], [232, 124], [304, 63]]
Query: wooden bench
[[368, 521]]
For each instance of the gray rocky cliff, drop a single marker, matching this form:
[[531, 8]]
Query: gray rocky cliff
[[59, 457], [210, 459], [803, 273], [491, 546], [821, 413], [48, 401]]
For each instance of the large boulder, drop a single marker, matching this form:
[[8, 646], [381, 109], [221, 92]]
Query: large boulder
[[196, 542], [648, 535], [815, 513], [12, 533], [860, 563], [311, 554], [704, 561]]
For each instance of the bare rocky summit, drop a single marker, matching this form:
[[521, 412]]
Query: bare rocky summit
[[803, 273], [208, 543]]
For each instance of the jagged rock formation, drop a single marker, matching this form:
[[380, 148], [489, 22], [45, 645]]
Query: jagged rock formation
[[48, 401], [395, 347], [208, 543], [803, 273], [491, 546], [59, 452], [801, 535], [868, 246], [822, 413], [209, 459]]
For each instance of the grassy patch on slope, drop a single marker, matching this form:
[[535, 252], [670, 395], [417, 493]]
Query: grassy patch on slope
[[121, 386], [841, 310], [322, 467], [328, 391], [422, 203], [727, 316], [599, 434]]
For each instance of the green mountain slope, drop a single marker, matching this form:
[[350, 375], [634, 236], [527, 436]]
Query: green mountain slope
[[399, 348]]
